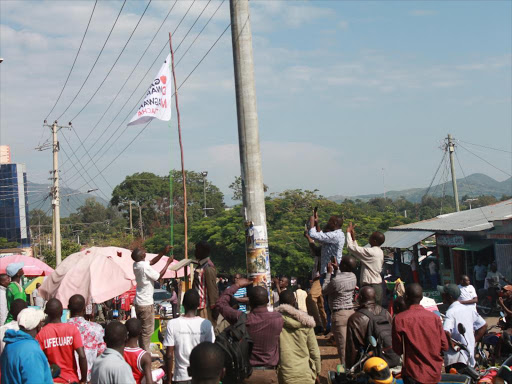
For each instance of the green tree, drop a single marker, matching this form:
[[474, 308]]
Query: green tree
[[67, 248], [4, 244]]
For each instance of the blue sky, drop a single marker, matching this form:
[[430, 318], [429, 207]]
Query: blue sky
[[344, 89]]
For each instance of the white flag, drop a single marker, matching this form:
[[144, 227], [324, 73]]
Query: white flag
[[157, 103]]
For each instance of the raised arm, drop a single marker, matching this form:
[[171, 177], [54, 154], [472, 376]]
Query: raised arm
[[230, 314], [361, 253], [164, 251]]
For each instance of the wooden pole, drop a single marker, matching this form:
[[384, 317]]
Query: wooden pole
[[185, 219]]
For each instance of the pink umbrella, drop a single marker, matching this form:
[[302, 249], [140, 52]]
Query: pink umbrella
[[33, 267], [97, 273]]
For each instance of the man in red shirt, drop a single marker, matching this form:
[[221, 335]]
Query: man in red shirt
[[58, 341], [418, 335]]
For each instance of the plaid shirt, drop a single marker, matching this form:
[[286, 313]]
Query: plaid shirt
[[332, 246], [339, 289]]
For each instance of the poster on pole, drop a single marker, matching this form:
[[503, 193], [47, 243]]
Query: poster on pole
[[258, 257], [157, 102]]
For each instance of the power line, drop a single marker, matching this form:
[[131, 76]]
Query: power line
[[435, 174], [133, 92], [484, 146], [95, 62], [481, 158], [142, 130], [465, 178], [115, 62], [74, 62]]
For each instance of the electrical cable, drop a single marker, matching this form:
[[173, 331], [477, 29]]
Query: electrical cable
[[484, 146], [133, 92], [179, 87], [115, 62], [74, 62], [435, 174], [470, 186], [481, 158], [95, 62]]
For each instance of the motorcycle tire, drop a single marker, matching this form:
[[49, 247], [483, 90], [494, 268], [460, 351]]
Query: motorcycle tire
[[485, 306]]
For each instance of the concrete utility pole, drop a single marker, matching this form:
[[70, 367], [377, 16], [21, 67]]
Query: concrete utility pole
[[56, 245], [451, 148], [140, 223], [249, 144]]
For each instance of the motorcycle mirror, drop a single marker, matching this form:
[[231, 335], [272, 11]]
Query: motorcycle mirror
[[461, 328], [373, 342], [55, 370], [502, 314]]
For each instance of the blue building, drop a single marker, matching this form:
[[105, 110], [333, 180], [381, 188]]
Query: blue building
[[14, 204]]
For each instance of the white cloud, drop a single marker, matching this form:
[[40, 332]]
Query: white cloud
[[343, 25]]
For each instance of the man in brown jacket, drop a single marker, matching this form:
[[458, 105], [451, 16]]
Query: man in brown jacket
[[357, 326], [205, 283]]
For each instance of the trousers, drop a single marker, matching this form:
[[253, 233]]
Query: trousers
[[145, 313], [339, 330], [315, 304]]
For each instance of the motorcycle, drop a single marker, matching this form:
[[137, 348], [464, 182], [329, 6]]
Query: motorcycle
[[356, 373], [487, 350], [487, 304]]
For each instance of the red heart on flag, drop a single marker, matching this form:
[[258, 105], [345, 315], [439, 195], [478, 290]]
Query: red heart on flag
[[163, 79]]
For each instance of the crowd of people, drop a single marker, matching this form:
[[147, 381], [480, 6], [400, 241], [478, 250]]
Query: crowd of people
[[40, 346]]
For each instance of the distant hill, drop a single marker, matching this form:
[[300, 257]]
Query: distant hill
[[476, 184], [35, 199]]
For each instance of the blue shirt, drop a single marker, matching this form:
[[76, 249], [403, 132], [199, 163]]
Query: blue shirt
[[23, 361], [332, 246], [241, 292]]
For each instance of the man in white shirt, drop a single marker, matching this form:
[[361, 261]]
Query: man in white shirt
[[182, 335], [480, 271], [474, 324], [36, 297], [492, 282], [145, 276], [468, 294], [4, 283], [371, 259]]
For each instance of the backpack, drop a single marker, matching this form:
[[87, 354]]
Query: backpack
[[380, 328], [237, 346]]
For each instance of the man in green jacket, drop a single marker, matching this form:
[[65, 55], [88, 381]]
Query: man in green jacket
[[299, 355], [14, 290]]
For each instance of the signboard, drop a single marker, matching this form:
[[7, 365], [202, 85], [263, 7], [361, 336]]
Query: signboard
[[434, 295], [449, 240]]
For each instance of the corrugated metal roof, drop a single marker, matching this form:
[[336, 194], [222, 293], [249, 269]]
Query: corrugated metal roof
[[404, 239], [474, 220]]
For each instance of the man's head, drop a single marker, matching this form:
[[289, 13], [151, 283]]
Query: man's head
[[494, 267], [76, 305], [299, 286], [138, 254], [479, 262], [30, 320], [53, 309], [283, 282], [366, 295], [38, 285], [287, 297], [413, 294], [115, 335], [4, 280], [17, 306], [258, 297], [348, 264], [377, 239], [334, 223], [449, 292], [15, 270], [464, 280], [238, 276], [191, 300], [202, 250], [134, 328], [206, 364]]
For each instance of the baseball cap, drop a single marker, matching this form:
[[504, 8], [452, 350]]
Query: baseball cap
[[452, 290], [29, 318], [13, 268]]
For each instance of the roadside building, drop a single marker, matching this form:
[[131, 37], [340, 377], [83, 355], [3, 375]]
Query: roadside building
[[462, 239]]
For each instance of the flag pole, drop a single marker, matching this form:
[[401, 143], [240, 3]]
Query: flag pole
[[185, 219]]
